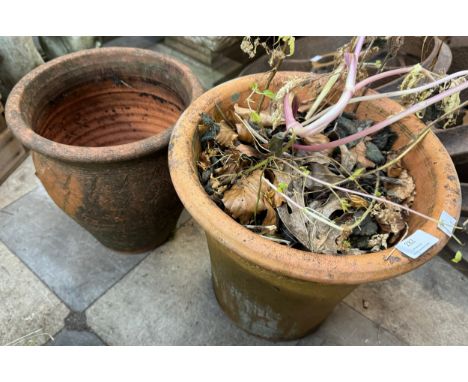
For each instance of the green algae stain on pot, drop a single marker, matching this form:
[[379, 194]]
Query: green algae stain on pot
[[268, 304]]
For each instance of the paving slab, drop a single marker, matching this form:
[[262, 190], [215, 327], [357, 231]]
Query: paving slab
[[68, 337], [18, 184], [30, 312], [428, 306], [346, 327], [61, 253], [168, 300]]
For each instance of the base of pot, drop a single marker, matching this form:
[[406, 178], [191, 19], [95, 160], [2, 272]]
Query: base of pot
[[136, 251], [266, 304], [260, 334], [127, 206], [133, 246]]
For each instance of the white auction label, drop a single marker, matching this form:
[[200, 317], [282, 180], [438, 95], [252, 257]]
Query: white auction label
[[446, 223], [416, 244]]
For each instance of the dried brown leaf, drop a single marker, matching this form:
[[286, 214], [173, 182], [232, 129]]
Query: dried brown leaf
[[243, 133], [393, 170], [378, 241], [226, 136], [275, 198], [247, 150], [318, 139], [204, 161], [231, 167], [389, 218], [320, 170], [360, 151], [241, 199], [271, 218], [293, 218], [405, 191], [323, 238], [348, 158], [358, 202], [231, 161], [266, 119]]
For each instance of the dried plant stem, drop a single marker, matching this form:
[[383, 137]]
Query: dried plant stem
[[395, 160], [271, 76], [400, 156], [386, 122], [463, 104], [364, 195], [400, 93], [326, 89], [254, 134], [389, 73], [259, 191], [368, 209], [307, 211], [310, 213]]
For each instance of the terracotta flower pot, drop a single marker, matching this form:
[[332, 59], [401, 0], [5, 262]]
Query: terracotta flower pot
[[278, 292], [98, 123]]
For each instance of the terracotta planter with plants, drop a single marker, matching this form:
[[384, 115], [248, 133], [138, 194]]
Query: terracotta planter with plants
[[98, 124], [275, 291]]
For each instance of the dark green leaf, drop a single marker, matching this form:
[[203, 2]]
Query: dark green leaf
[[374, 154], [367, 228], [276, 143], [384, 139]]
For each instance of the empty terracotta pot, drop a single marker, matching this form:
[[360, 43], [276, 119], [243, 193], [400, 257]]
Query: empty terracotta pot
[[278, 292], [98, 124]]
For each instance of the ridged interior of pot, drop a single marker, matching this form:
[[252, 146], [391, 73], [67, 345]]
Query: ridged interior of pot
[[109, 112]]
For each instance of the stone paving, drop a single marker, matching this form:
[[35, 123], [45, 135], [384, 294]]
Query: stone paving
[[57, 281]]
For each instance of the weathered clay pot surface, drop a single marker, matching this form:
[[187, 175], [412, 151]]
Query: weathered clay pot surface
[[98, 123], [282, 293]]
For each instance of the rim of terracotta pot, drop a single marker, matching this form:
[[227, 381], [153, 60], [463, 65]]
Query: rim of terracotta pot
[[18, 114], [285, 261]]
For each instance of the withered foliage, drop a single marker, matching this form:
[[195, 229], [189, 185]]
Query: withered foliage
[[252, 171]]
